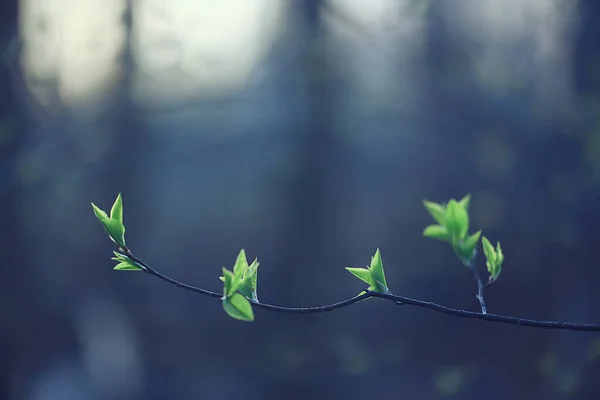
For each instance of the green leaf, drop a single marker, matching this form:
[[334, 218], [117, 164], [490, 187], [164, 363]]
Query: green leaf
[[116, 212], [113, 225], [252, 274], [244, 276], [116, 231], [494, 258], [253, 271], [119, 257], [248, 284], [437, 211], [495, 272], [232, 283], [377, 270], [100, 214], [245, 288], [488, 249], [228, 278], [499, 260], [462, 217], [499, 254], [373, 275], [238, 307], [241, 265], [472, 240], [125, 263], [465, 202], [363, 274], [436, 232], [457, 221], [466, 249], [127, 266]]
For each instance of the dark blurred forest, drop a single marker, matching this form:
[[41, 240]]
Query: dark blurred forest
[[307, 132]]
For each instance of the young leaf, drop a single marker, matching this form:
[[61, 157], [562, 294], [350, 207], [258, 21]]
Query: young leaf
[[437, 211], [498, 265], [488, 249], [253, 271], [113, 225], [245, 288], [241, 265], [125, 263], [465, 201], [457, 221], [436, 232], [472, 240], [232, 283], [238, 307], [252, 274], [494, 259], [127, 266], [116, 231], [245, 275], [100, 214], [466, 249], [495, 273], [373, 275], [499, 254], [116, 212], [363, 274], [377, 271], [119, 257]]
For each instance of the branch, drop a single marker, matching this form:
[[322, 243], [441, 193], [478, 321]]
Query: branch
[[401, 300], [480, 287]]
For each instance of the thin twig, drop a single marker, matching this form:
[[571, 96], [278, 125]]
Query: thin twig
[[401, 300], [480, 287]]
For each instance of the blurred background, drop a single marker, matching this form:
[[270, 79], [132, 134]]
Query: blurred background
[[307, 132]]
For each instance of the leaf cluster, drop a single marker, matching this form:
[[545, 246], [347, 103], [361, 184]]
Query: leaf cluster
[[240, 288], [494, 259], [453, 227], [372, 275]]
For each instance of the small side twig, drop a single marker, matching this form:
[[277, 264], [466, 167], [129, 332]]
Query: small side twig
[[480, 287], [400, 300]]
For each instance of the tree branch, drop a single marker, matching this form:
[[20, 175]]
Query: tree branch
[[480, 287], [400, 300]]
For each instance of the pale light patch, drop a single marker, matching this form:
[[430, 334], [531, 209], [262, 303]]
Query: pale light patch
[[200, 48], [527, 40], [71, 49]]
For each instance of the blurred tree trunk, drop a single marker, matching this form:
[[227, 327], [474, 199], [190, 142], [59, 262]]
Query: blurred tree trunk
[[308, 192], [11, 247], [586, 58]]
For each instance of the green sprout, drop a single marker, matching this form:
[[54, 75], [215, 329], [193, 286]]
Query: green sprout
[[239, 288], [494, 259], [247, 276], [235, 304], [125, 263], [453, 226], [372, 275], [113, 225]]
